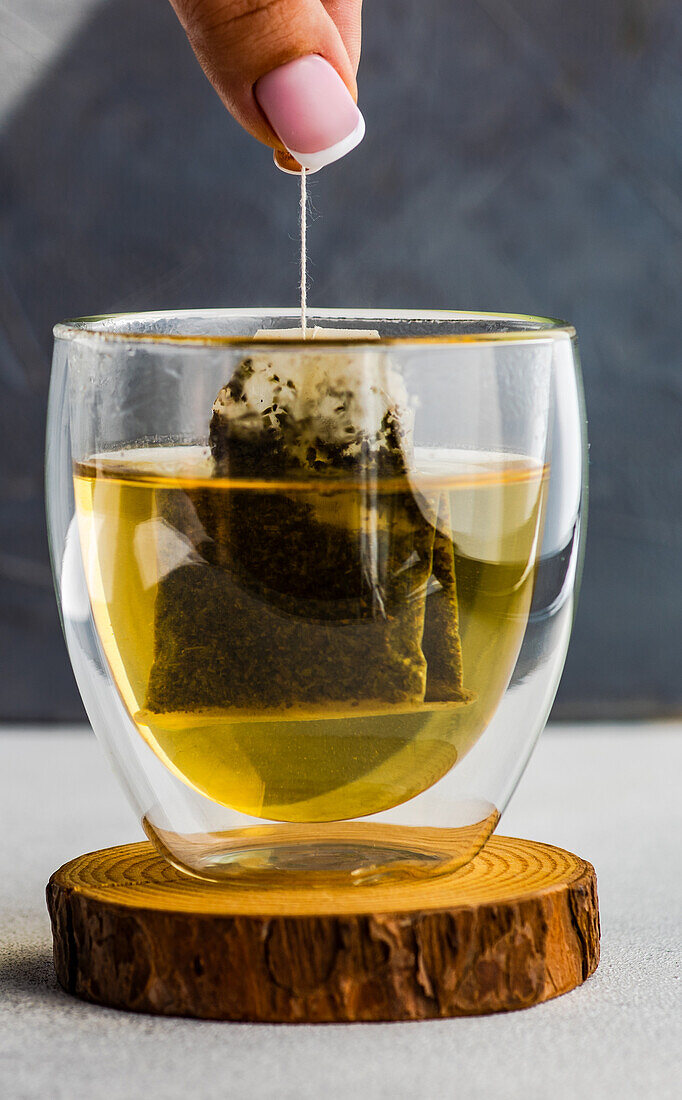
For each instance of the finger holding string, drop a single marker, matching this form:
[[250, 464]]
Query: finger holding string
[[285, 69]]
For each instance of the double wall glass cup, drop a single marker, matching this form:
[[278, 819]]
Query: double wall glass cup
[[317, 593]]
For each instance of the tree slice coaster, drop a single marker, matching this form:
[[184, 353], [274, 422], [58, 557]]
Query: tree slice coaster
[[517, 925]]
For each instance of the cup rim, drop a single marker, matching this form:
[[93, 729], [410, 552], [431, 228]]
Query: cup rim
[[87, 328]]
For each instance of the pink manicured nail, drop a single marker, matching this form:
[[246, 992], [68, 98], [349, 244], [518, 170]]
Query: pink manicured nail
[[311, 110]]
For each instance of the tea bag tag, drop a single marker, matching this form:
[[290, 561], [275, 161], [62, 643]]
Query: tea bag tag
[[317, 333]]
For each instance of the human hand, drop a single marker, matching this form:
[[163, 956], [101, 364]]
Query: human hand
[[285, 69]]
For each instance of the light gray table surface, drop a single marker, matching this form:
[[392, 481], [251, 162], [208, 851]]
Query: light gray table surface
[[609, 793]]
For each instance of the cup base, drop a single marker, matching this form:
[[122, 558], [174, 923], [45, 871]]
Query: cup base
[[321, 854]]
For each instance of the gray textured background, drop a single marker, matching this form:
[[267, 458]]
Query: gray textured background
[[521, 155]]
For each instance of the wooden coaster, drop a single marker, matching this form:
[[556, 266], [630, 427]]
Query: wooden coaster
[[516, 926]]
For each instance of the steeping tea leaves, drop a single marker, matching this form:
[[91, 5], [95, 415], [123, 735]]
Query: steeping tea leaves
[[331, 592]]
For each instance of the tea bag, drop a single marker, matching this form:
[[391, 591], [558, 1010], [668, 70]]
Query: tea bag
[[326, 580]]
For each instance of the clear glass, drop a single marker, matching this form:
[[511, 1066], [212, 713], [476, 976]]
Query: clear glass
[[317, 594]]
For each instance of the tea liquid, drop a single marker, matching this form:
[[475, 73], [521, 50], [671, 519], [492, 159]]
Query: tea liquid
[[146, 557]]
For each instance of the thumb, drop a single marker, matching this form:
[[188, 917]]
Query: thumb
[[283, 70]]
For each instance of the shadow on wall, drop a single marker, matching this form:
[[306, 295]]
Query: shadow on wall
[[520, 156]]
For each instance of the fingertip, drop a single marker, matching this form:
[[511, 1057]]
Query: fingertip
[[311, 110]]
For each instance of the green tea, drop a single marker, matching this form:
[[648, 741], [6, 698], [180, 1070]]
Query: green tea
[[310, 648]]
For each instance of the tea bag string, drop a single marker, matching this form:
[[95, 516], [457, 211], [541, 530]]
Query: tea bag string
[[304, 255]]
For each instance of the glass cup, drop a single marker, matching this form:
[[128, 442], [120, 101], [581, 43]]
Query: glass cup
[[317, 593]]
